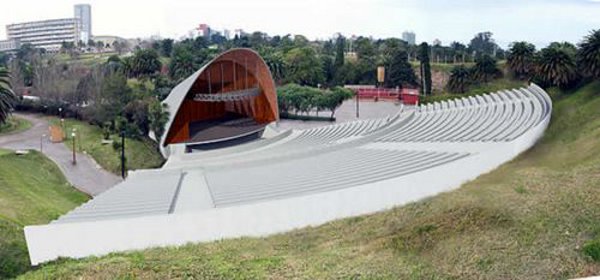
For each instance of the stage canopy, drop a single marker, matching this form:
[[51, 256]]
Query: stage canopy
[[231, 96]]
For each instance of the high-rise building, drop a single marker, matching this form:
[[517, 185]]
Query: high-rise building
[[409, 37], [47, 34], [83, 12]]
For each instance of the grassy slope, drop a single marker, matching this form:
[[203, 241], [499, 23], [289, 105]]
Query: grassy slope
[[14, 125], [528, 220], [140, 154], [32, 191], [87, 59], [496, 85]]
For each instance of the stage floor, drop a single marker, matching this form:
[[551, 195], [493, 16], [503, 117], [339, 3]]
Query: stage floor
[[224, 129]]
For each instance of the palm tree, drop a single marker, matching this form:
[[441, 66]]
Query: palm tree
[[556, 67], [485, 69], [588, 56], [7, 96], [459, 79], [521, 59]]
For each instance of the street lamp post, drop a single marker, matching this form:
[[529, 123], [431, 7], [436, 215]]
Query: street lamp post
[[42, 143], [74, 154]]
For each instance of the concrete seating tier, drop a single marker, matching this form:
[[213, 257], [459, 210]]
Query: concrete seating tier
[[302, 177]]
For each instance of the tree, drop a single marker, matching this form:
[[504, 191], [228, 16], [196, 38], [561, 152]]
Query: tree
[[556, 67], [7, 96], [100, 45], [340, 44], [485, 69], [166, 47], [158, 116], [276, 63], [460, 78], [145, 63], [4, 58], [335, 98], [303, 66], [588, 56], [399, 71], [521, 58], [425, 68], [183, 63], [119, 46], [483, 44], [115, 94], [459, 50]]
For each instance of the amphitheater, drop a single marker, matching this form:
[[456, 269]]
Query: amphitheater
[[296, 178]]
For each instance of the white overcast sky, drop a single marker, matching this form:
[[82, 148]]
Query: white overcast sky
[[537, 21]]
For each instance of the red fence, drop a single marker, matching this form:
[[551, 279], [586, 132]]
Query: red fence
[[408, 96]]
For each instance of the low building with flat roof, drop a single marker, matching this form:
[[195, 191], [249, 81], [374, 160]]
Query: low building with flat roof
[[9, 45], [46, 34]]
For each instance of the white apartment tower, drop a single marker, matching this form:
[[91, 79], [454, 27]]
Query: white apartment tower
[[83, 12]]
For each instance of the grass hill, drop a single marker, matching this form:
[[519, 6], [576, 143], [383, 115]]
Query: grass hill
[[537, 217], [32, 191], [14, 125], [140, 153]]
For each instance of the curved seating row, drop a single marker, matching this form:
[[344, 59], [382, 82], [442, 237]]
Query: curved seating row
[[341, 169], [296, 144], [500, 116]]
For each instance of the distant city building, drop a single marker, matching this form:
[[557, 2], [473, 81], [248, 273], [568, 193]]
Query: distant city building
[[9, 45], [204, 30], [227, 34], [47, 34], [409, 37], [83, 12], [50, 34], [239, 32]]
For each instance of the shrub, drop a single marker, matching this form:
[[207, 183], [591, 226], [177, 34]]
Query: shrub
[[592, 249]]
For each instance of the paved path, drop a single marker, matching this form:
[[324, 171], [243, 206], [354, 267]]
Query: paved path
[[86, 175], [347, 112]]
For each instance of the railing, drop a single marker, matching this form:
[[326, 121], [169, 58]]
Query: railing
[[227, 96]]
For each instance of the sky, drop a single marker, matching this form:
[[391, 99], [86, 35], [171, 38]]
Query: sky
[[536, 21]]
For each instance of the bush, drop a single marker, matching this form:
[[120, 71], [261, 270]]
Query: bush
[[592, 249], [293, 97]]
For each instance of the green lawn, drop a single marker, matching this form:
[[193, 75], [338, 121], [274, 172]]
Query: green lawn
[[87, 59], [14, 125], [32, 191], [493, 86], [140, 154]]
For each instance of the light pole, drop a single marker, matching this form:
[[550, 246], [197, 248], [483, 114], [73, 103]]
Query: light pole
[[42, 143], [73, 139]]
